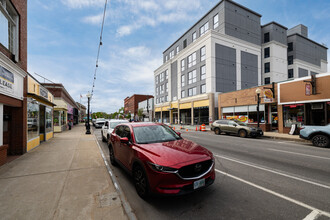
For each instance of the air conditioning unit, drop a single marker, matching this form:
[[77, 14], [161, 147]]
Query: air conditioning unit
[[316, 106]]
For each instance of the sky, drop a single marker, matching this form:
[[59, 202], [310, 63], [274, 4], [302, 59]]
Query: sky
[[63, 39]]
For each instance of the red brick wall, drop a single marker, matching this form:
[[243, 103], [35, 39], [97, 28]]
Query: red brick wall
[[131, 104], [21, 8]]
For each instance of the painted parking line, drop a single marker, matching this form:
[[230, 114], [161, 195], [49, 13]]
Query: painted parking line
[[306, 155], [276, 194], [313, 215], [273, 171]]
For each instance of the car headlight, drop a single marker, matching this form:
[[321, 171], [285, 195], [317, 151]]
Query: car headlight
[[163, 169]]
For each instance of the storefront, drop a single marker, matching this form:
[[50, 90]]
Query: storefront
[[12, 109], [242, 105], [300, 104], [39, 114], [60, 115]]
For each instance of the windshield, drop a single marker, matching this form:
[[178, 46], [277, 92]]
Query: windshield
[[154, 134], [114, 124], [100, 119]]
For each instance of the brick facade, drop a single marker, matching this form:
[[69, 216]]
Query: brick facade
[[131, 103]]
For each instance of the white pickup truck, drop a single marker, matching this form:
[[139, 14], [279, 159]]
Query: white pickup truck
[[108, 127]]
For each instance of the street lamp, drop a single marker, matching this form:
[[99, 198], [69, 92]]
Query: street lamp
[[88, 127], [258, 91]]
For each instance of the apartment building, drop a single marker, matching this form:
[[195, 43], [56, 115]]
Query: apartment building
[[227, 50]]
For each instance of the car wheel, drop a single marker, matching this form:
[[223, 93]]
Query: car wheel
[[320, 141], [140, 182], [112, 156], [242, 133], [103, 139], [217, 131]]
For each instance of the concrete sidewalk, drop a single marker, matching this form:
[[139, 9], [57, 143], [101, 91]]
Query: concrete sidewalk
[[63, 178], [272, 135]]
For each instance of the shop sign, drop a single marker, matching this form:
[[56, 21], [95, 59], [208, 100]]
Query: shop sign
[[242, 118], [308, 89], [268, 96], [43, 92], [70, 109], [6, 79]]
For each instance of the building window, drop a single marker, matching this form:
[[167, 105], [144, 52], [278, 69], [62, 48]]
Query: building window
[[182, 65], [49, 119], [157, 100], [166, 58], [157, 91], [183, 94], [157, 79], [33, 119], [293, 114], [192, 77], [166, 87], [162, 77], [203, 88], [290, 60], [177, 49], [166, 98], [166, 74], [204, 29], [194, 36], [185, 43], [290, 46], [203, 72], [266, 37], [171, 54], [267, 67], [192, 91], [182, 80], [267, 80], [215, 21], [203, 52], [267, 52], [290, 73], [9, 27], [192, 60]]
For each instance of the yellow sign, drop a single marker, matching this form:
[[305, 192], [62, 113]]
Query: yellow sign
[[268, 93], [241, 118]]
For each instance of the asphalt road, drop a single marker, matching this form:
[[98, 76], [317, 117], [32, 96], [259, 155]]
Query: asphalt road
[[256, 179]]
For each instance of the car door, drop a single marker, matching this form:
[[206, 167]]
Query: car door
[[126, 150], [115, 140], [232, 127], [224, 125]]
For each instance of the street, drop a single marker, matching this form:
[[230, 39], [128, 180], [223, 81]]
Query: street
[[256, 179]]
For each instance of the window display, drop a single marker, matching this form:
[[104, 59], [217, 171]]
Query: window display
[[49, 117], [33, 119], [293, 114]]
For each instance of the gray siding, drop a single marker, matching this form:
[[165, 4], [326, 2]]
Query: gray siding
[[242, 24], [174, 80], [225, 68], [249, 70], [299, 29], [276, 33], [302, 72], [306, 50]]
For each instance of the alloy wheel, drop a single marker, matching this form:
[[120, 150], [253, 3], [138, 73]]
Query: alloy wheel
[[112, 156], [140, 181], [320, 141]]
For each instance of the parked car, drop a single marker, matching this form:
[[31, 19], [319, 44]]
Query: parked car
[[99, 122], [319, 135], [235, 127], [160, 160], [108, 127]]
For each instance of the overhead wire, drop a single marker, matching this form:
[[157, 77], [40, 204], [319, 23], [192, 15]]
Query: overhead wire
[[99, 47]]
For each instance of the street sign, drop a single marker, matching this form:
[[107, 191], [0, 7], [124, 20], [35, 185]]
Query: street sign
[[308, 89]]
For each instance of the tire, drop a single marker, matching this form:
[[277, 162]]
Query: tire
[[321, 140], [112, 156], [217, 131], [242, 133], [103, 139], [140, 182]]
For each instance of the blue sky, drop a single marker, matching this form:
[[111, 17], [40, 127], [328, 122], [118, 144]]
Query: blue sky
[[63, 37]]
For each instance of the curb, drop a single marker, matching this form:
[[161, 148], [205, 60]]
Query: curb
[[287, 139], [127, 207]]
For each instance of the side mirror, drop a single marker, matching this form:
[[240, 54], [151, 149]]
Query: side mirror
[[124, 140], [235, 125], [178, 133]]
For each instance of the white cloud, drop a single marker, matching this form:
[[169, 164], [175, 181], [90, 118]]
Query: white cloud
[[83, 3], [94, 19]]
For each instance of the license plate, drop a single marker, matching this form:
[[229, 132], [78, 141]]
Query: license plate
[[199, 183]]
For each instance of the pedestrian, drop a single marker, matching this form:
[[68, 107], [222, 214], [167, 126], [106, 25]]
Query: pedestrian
[[69, 123]]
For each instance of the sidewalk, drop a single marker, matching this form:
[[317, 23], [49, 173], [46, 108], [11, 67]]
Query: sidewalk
[[272, 135], [63, 178]]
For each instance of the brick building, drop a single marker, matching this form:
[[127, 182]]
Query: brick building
[[131, 104], [13, 78]]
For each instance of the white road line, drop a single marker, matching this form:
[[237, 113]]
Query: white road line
[[276, 194], [274, 171], [313, 215], [306, 155]]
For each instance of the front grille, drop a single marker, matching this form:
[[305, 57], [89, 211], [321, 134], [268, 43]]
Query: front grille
[[195, 170]]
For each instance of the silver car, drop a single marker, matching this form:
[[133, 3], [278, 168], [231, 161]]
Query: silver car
[[108, 127]]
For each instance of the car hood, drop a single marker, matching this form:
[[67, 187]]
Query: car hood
[[175, 153]]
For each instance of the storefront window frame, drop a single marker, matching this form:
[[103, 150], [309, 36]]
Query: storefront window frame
[[33, 121]]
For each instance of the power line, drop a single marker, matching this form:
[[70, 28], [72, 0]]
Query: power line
[[100, 44]]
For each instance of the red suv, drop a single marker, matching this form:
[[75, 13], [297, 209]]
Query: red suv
[[160, 161]]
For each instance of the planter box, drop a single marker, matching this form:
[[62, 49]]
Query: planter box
[[3, 154]]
